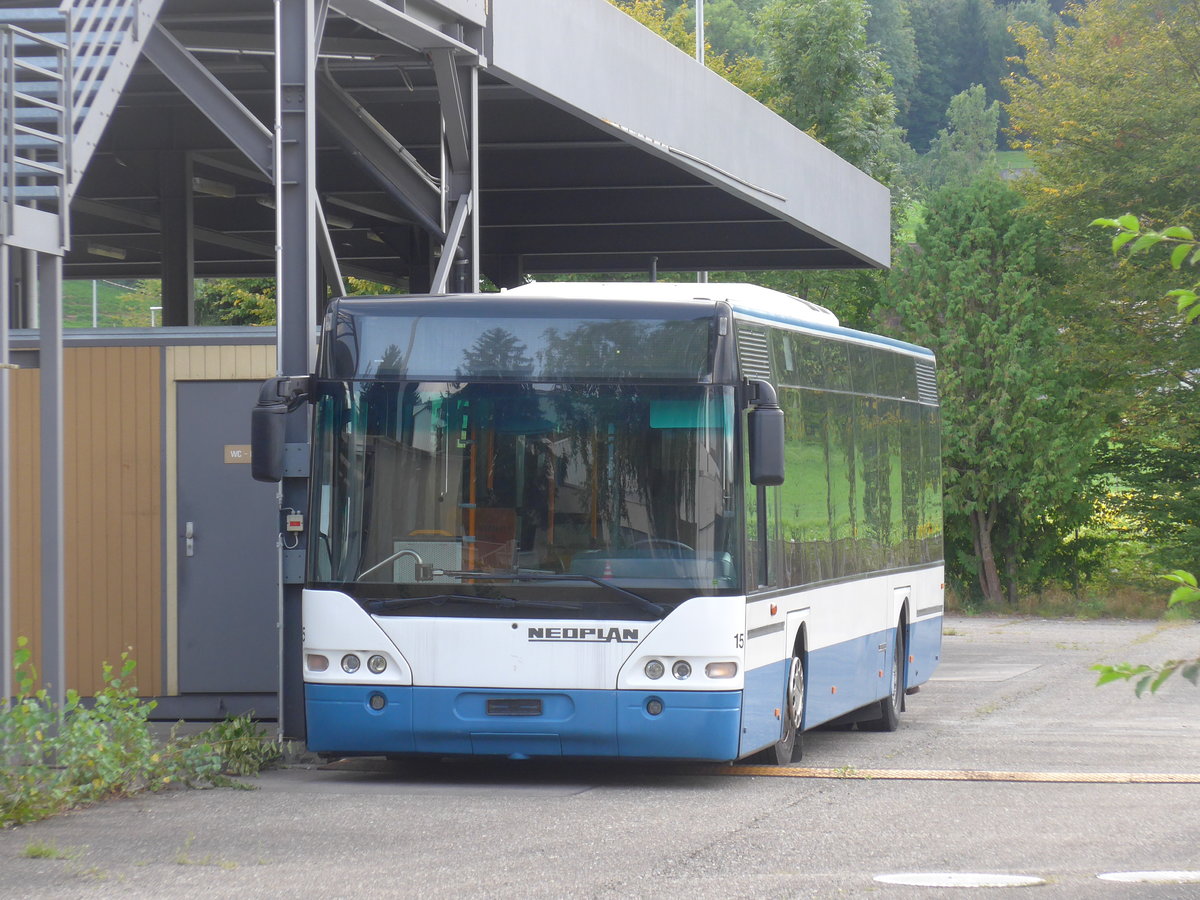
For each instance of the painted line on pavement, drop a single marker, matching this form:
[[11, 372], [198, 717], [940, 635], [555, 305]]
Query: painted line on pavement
[[854, 774]]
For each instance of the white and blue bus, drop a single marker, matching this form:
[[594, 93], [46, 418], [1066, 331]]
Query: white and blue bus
[[683, 521]]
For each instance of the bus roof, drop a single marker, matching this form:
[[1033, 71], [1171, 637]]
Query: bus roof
[[751, 299], [747, 299]]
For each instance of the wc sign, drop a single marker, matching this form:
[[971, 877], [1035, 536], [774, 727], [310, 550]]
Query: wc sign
[[237, 453]]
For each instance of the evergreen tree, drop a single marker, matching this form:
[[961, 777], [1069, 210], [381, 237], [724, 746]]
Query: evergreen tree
[[890, 30], [959, 43], [974, 287]]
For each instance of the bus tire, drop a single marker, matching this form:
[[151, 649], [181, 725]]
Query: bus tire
[[891, 705]]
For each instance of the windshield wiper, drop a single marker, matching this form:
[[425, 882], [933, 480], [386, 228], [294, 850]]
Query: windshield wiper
[[438, 599], [643, 602]]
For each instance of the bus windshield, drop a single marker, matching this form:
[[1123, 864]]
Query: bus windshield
[[424, 489]]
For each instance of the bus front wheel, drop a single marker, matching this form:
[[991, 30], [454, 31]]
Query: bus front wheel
[[790, 746]]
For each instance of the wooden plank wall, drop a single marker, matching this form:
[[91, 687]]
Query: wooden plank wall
[[113, 505]]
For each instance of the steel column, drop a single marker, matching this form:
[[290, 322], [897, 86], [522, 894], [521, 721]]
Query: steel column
[[295, 215], [178, 248], [54, 661]]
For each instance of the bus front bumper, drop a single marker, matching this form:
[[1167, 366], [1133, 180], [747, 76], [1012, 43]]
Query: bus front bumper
[[371, 721]]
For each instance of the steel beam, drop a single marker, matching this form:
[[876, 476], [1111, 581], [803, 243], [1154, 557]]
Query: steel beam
[[211, 97], [454, 114], [441, 276], [329, 260], [379, 153], [401, 28]]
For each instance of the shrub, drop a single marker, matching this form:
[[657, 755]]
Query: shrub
[[53, 758]]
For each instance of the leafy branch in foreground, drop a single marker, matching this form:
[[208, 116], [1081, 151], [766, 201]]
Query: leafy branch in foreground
[[1132, 235], [1185, 248]]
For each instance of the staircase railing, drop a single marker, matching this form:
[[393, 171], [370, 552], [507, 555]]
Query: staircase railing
[[35, 127]]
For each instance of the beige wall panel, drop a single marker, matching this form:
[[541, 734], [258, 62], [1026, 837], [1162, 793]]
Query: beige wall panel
[[114, 501]]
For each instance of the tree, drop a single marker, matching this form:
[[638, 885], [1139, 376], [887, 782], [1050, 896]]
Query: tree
[[1186, 249], [959, 43], [235, 301], [825, 79], [890, 31], [728, 24], [1109, 112], [677, 26], [966, 147], [976, 288]]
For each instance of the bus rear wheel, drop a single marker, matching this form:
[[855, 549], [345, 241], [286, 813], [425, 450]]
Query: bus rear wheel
[[891, 705]]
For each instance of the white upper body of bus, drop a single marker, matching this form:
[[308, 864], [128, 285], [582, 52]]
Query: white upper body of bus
[[751, 299]]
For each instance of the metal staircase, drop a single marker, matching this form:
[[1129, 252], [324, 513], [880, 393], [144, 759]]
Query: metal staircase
[[62, 68]]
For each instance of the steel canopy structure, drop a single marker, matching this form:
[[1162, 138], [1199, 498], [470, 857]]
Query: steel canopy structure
[[598, 147]]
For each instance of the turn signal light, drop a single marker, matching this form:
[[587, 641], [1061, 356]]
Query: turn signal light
[[721, 669], [317, 662]]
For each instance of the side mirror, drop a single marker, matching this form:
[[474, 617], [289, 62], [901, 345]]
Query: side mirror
[[765, 433], [268, 421]]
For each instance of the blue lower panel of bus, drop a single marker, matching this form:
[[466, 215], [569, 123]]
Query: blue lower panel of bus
[[691, 724], [765, 699], [848, 676], [925, 648]]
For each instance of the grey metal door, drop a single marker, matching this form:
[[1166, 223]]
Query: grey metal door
[[227, 530]]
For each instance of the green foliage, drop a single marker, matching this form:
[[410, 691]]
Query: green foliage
[[827, 80], [245, 748], [36, 850], [959, 43], [53, 759], [1131, 235], [235, 301], [890, 32], [966, 147], [728, 24], [1109, 111], [976, 287]]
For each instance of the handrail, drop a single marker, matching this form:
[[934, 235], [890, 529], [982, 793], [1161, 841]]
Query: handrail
[[55, 136]]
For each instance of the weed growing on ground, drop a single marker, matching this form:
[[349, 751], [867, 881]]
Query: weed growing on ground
[[245, 748], [54, 758], [47, 851]]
